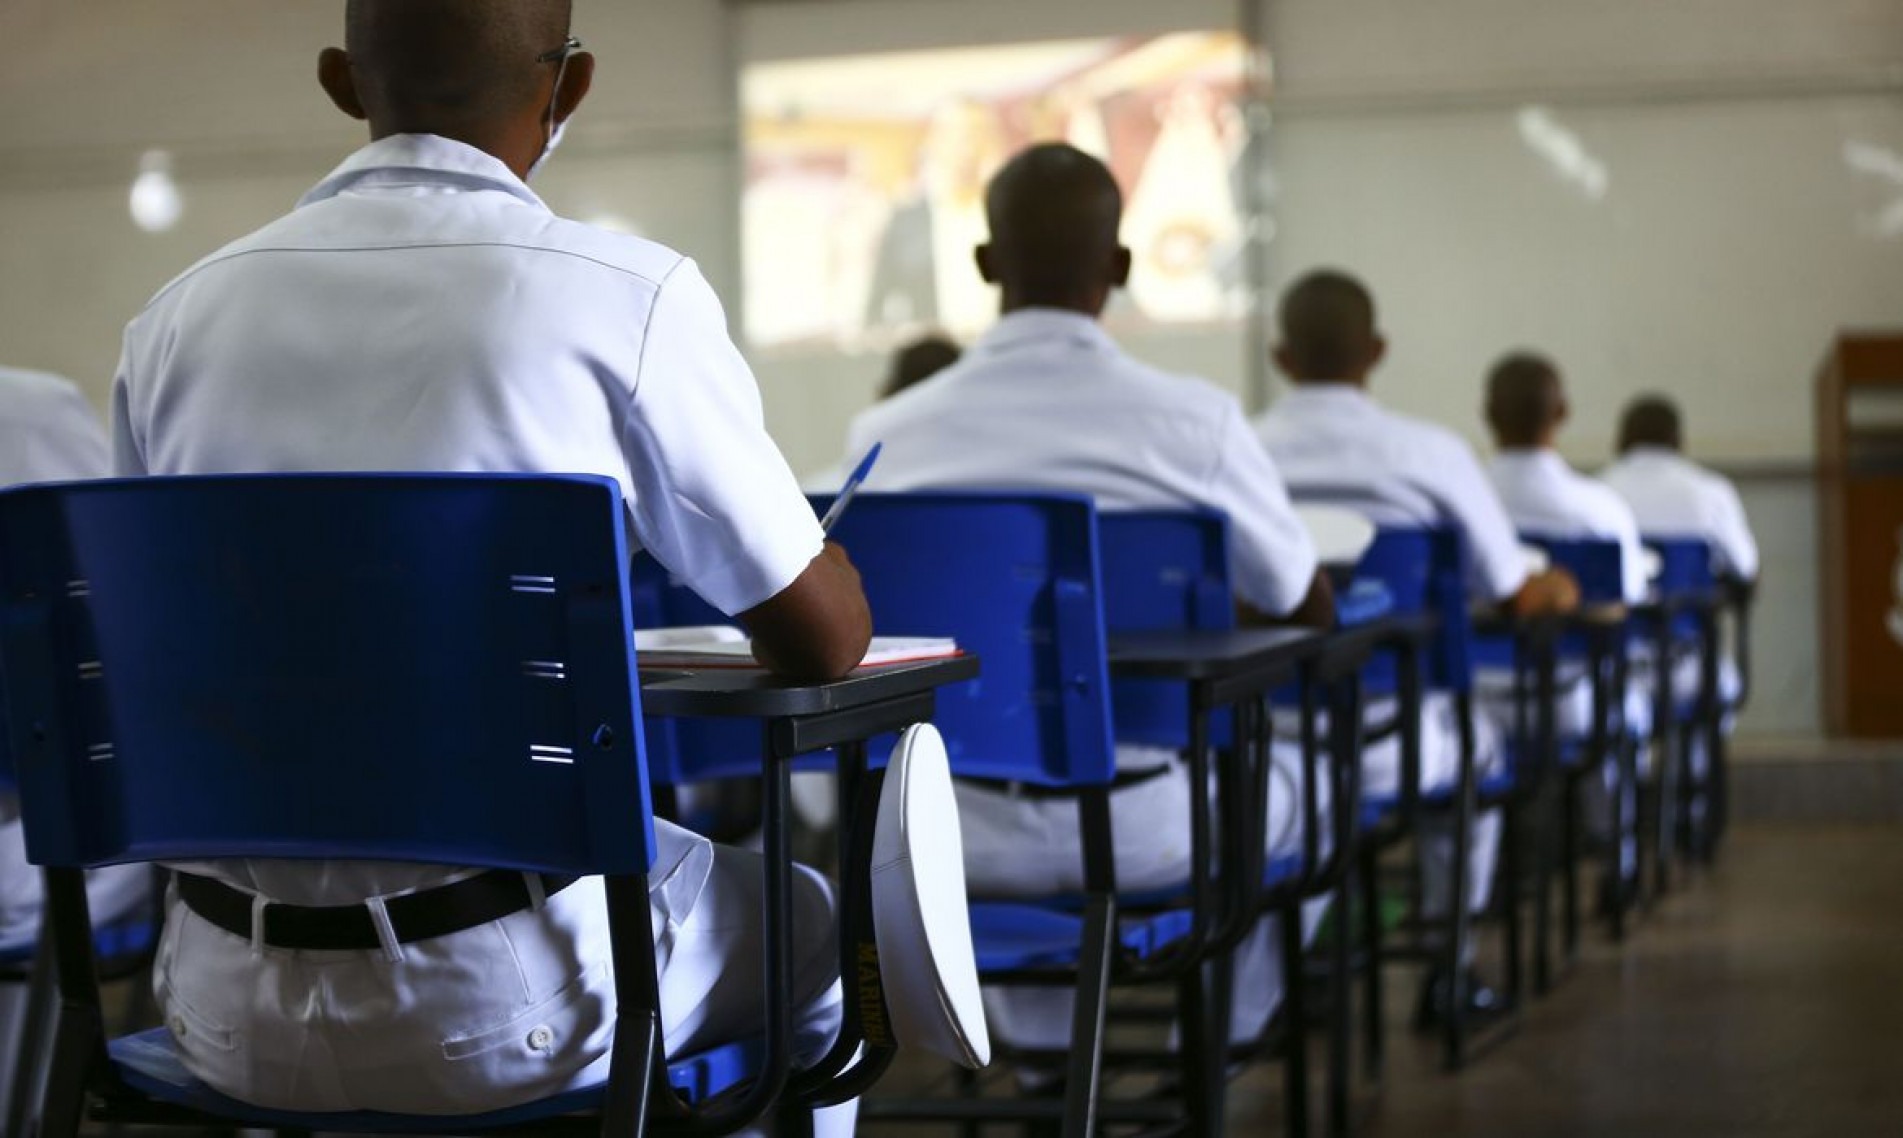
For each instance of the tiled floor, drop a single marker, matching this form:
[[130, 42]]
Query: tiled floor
[[1763, 1000]]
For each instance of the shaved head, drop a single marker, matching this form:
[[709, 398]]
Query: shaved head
[[1054, 213], [452, 62], [1526, 402], [1651, 421], [495, 74], [1328, 329], [917, 362]]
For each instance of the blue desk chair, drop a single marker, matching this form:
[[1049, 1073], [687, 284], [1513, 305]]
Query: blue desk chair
[[1167, 570], [123, 947], [428, 669], [683, 753], [1171, 570], [1591, 652], [1425, 572], [1684, 620], [1018, 579]]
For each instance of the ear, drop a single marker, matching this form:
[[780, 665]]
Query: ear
[[1279, 353], [335, 77], [1120, 267], [1377, 351], [987, 264], [577, 79]]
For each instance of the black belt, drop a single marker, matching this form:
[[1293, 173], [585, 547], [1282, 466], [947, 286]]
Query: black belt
[[423, 915], [1123, 781]]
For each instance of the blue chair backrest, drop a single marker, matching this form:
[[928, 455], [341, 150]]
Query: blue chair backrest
[[686, 751], [1162, 570], [1686, 569], [1016, 579], [1424, 572], [422, 668], [1597, 564]]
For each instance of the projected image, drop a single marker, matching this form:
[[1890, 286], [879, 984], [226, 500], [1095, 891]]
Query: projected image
[[865, 179]]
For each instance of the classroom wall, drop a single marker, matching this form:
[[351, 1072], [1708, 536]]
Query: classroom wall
[[1737, 229]]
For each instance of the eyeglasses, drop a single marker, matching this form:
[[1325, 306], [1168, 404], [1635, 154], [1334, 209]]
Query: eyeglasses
[[561, 54]]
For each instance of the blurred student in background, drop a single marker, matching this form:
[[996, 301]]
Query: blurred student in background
[[1045, 400], [1335, 443]]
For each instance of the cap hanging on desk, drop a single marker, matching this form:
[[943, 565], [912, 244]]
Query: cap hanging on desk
[[919, 908]]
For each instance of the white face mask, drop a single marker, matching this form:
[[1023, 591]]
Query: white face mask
[[553, 144], [556, 130]]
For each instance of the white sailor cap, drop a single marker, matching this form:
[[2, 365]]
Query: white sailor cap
[[919, 907]]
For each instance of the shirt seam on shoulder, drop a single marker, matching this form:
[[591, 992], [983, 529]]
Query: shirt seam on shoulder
[[647, 332], [223, 258]]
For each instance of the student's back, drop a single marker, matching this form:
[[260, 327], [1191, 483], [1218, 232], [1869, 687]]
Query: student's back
[[1543, 494], [1047, 401], [48, 431], [1671, 495], [423, 310]]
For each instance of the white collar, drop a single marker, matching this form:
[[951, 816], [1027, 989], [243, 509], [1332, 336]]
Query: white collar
[[427, 158], [1537, 458], [1648, 453], [1031, 326], [1332, 398]]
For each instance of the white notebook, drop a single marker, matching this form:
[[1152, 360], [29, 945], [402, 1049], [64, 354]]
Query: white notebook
[[718, 646]]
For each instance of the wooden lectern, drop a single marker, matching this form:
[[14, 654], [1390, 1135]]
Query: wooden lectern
[[1860, 513]]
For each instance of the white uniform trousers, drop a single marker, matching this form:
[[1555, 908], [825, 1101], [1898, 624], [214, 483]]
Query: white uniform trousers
[[1573, 719], [1023, 847], [498, 1015], [1440, 766]]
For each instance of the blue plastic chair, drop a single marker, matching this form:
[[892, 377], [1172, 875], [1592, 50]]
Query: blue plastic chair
[[1171, 570], [1426, 574], [425, 668], [1017, 578], [1685, 619], [1595, 653]]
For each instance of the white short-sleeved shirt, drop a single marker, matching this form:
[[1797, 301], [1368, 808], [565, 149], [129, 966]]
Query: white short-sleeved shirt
[[48, 431], [1543, 495], [423, 310], [1047, 401], [1673, 496], [1334, 440]]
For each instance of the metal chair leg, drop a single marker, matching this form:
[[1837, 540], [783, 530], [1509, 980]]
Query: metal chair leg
[[1295, 1033], [1341, 1020], [1541, 807], [1374, 1025], [1083, 1091], [1512, 870], [1570, 855], [42, 998]]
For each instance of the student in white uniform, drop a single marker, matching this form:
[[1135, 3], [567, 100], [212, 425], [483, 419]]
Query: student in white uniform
[[423, 310], [1045, 400], [50, 433], [1526, 407], [1332, 440], [1672, 496]]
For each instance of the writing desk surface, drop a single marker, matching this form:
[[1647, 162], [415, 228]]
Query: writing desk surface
[[747, 693], [1194, 654]]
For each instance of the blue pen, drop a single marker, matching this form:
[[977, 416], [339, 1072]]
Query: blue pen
[[851, 487]]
